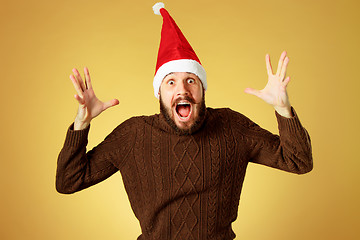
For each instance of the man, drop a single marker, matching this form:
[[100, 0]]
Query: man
[[183, 169]]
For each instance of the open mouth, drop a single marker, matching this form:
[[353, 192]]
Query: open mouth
[[183, 110]]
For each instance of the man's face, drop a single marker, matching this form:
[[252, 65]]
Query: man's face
[[182, 99]]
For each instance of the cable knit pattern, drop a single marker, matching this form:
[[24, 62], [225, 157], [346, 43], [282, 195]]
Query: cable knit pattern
[[214, 182], [179, 186]]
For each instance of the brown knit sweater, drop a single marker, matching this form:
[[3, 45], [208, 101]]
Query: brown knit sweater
[[183, 187]]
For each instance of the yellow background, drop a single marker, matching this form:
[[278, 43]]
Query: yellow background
[[41, 41]]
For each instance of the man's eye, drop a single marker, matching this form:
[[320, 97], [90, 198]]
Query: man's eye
[[171, 82], [190, 80]]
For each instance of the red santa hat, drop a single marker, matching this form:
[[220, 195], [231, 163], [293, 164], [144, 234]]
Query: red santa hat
[[175, 53]]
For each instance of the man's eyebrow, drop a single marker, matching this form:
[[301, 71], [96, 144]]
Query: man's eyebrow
[[168, 74]]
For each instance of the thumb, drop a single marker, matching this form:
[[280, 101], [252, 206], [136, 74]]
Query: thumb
[[252, 91], [111, 103]]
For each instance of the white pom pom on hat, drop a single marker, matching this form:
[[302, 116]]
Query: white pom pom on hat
[[157, 7], [175, 53]]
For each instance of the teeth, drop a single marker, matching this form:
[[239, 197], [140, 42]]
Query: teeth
[[183, 103]]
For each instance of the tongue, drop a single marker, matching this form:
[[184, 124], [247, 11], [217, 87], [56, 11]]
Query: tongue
[[183, 110]]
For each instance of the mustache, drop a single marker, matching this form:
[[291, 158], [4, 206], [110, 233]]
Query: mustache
[[187, 98]]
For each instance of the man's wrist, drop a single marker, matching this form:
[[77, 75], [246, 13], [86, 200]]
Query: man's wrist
[[284, 111], [80, 125]]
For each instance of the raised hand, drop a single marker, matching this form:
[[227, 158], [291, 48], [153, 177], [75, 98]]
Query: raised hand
[[275, 92], [89, 105]]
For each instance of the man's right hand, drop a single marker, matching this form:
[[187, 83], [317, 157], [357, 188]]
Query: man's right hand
[[89, 105]]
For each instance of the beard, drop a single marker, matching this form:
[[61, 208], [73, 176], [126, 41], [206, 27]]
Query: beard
[[195, 126]]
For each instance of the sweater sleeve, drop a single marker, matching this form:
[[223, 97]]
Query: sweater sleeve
[[289, 151], [78, 169]]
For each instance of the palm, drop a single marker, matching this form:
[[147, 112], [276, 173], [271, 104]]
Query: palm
[[89, 105], [274, 92]]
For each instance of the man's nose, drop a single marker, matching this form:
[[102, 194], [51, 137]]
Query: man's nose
[[182, 88]]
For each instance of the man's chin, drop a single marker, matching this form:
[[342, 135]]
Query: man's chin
[[184, 125]]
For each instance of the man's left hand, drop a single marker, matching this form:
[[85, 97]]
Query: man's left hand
[[275, 92]]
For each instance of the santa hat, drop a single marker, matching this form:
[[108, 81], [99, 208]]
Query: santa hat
[[175, 53]]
